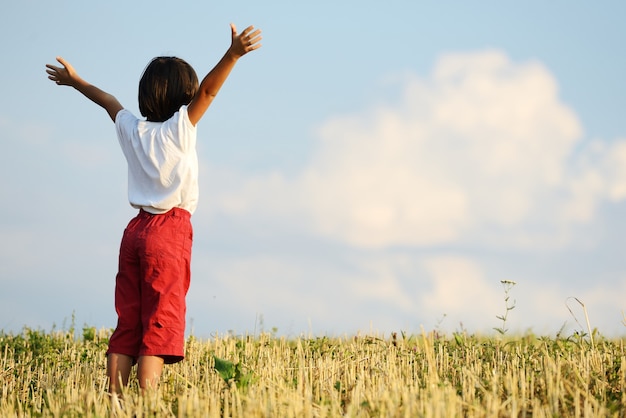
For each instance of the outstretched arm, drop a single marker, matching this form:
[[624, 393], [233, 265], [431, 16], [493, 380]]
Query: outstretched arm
[[67, 76], [241, 44]]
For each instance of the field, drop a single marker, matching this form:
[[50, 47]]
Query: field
[[57, 373]]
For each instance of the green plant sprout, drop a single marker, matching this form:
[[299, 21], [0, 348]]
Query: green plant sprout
[[508, 285], [586, 317]]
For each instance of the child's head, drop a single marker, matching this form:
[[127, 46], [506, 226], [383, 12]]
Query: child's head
[[167, 83]]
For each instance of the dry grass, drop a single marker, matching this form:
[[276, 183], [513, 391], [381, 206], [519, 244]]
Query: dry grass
[[54, 374]]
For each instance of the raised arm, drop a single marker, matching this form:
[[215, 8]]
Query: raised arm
[[241, 44], [67, 76]]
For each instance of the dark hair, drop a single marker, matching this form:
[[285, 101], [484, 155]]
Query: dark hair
[[167, 83]]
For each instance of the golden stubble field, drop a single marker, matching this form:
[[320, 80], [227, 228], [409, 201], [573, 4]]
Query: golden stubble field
[[57, 374]]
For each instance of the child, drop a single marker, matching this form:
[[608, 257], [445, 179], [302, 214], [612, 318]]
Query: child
[[154, 262]]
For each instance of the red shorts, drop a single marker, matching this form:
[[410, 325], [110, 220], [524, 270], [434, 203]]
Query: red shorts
[[151, 285]]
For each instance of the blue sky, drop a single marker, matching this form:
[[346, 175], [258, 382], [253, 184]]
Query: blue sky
[[372, 168]]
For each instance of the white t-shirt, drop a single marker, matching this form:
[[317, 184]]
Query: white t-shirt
[[162, 161]]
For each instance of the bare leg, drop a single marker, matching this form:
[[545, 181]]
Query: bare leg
[[118, 371], [149, 370]]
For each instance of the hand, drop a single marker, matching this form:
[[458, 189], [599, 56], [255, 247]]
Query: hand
[[63, 76], [66, 76], [246, 41]]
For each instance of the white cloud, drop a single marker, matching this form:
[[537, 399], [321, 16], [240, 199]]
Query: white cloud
[[481, 151], [459, 288], [390, 292], [380, 282], [308, 292], [471, 297], [283, 290], [481, 154]]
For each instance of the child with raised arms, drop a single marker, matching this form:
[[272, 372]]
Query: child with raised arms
[[155, 253]]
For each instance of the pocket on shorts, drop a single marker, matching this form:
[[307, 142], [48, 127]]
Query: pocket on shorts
[[170, 313], [185, 237]]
